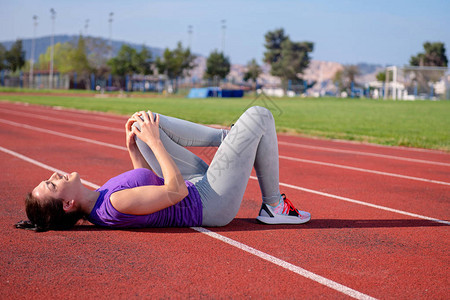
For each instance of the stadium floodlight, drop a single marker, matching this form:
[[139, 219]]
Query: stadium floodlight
[[53, 13], [224, 27], [189, 36], [110, 19], [86, 25], [33, 46]]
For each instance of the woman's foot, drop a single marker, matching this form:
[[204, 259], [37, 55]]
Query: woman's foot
[[283, 213]]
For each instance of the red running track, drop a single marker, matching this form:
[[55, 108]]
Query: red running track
[[379, 228]]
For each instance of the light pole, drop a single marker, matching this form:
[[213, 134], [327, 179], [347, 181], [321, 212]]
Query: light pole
[[33, 46], [110, 33], [189, 36], [224, 26], [53, 12], [86, 25]]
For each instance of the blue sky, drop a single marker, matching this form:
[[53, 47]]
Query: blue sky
[[345, 31]]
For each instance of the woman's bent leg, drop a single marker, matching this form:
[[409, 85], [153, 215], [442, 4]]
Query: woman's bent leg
[[177, 133], [190, 165], [251, 142], [189, 134]]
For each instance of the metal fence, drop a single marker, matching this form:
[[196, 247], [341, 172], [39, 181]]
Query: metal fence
[[108, 82], [416, 83], [37, 81], [407, 84]]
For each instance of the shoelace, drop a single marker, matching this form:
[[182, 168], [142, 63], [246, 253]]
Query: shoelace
[[287, 205]]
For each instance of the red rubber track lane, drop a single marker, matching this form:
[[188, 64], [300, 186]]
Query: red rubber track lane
[[422, 170], [338, 145], [379, 253], [347, 159]]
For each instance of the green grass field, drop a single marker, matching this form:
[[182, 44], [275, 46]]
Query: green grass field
[[423, 124]]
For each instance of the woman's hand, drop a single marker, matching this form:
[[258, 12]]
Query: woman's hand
[[149, 132], [137, 159], [130, 141]]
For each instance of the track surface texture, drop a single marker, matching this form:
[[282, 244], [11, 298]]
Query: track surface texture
[[379, 228]]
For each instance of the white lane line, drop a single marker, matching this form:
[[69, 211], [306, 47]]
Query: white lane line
[[72, 112], [363, 170], [361, 203], [366, 154], [267, 257], [99, 115], [65, 121], [252, 177], [62, 134], [403, 148], [288, 266], [44, 166]]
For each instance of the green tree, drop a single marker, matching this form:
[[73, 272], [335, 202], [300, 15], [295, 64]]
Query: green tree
[[175, 63], [129, 61], [125, 62], [15, 57], [62, 54], [434, 56], [287, 59], [97, 50], [344, 78], [351, 72], [145, 61], [66, 58], [217, 65], [253, 71], [2, 57], [78, 59], [274, 39], [294, 60], [381, 76]]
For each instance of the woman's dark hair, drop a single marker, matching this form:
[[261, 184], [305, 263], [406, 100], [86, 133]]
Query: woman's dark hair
[[48, 214]]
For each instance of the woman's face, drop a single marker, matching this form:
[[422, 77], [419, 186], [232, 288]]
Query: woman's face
[[59, 186]]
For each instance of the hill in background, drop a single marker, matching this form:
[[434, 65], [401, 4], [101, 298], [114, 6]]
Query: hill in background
[[43, 43]]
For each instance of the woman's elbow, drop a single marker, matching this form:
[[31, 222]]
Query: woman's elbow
[[179, 193], [184, 191]]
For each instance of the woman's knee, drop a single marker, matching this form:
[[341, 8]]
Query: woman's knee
[[260, 115], [259, 111]]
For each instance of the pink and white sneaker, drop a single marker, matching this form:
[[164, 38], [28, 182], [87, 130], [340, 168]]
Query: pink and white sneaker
[[283, 213]]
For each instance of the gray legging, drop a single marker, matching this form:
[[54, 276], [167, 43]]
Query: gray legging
[[251, 142]]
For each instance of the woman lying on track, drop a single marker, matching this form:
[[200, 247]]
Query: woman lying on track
[[191, 193]]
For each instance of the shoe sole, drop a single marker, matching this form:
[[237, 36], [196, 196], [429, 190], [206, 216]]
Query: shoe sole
[[284, 220]]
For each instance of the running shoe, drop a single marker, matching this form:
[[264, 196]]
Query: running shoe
[[283, 213]]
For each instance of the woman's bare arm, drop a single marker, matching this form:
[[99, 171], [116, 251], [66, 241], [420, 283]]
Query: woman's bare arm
[[136, 157], [149, 199]]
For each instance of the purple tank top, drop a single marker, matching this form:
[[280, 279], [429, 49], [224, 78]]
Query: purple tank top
[[186, 213]]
